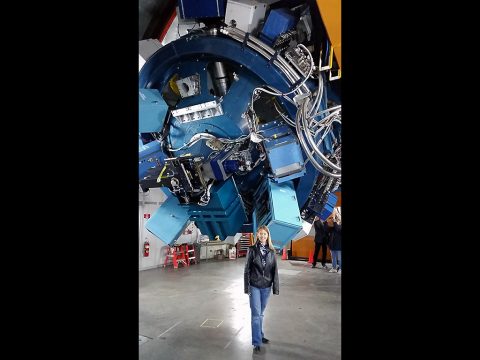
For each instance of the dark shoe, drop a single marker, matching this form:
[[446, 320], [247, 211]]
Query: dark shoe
[[256, 349], [313, 266], [265, 340]]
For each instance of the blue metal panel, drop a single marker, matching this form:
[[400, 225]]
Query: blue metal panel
[[195, 9], [286, 160], [222, 223], [231, 166], [150, 156], [278, 209], [163, 64], [286, 222], [191, 54], [329, 206], [149, 148], [278, 21], [283, 151], [305, 184], [284, 203], [228, 125], [222, 168], [168, 222], [152, 110], [282, 233], [222, 195], [224, 214]]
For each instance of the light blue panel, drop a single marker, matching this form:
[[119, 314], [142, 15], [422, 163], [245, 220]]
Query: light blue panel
[[277, 208], [286, 221], [284, 203], [168, 222], [152, 110], [148, 149], [281, 233]]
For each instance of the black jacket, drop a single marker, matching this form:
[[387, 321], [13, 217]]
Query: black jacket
[[335, 237], [256, 275], [321, 232]]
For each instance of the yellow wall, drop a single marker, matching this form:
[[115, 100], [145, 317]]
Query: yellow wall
[[331, 13]]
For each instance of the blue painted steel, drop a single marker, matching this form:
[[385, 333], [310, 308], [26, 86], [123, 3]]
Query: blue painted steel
[[192, 54], [224, 214], [283, 151], [278, 21], [277, 207], [189, 68], [161, 66], [231, 166], [306, 183], [150, 155], [218, 170], [149, 148], [168, 222], [284, 203], [223, 168], [152, 110], [228, 125], [195, 9], [329, 206]]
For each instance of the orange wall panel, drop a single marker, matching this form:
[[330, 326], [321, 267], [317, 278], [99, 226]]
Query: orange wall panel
[[303, 246]]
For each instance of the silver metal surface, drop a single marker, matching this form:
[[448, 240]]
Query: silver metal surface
[[199, 111], [189, 86]]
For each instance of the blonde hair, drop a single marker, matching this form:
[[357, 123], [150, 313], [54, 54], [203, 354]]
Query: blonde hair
[[337, 215], [269, 239]]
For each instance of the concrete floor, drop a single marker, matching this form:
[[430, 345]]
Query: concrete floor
[[303, 322]]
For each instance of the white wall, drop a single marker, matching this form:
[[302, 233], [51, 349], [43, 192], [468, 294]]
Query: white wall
[[148, 203]]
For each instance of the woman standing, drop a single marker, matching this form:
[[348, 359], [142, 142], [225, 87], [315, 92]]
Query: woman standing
[[261, 273], [335, 241]]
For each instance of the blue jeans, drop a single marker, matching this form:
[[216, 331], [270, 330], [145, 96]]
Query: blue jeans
[[258, 302], [336, 258]]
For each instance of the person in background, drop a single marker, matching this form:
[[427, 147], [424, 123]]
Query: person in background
[[260, 277], [321, 239], [334, 224]]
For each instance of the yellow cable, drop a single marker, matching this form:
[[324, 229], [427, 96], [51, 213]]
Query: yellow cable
[[159, 179]]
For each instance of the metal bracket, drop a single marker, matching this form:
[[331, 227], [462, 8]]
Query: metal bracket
[[273, 58], [330, 60], [331, 78], [296, 83], [245, 40]]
